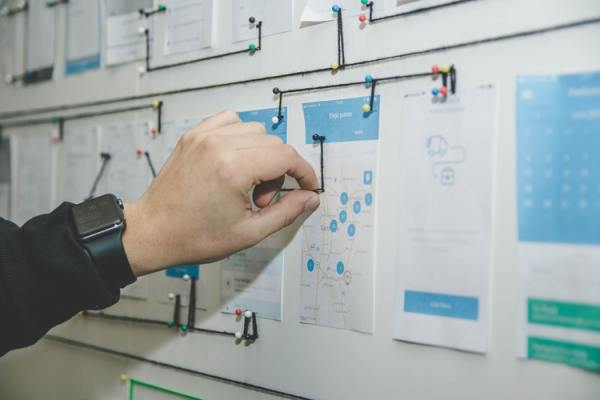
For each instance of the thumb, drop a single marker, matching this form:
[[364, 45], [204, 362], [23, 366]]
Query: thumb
[[284, 212]]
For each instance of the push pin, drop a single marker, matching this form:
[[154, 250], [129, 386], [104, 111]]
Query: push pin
[[141, 70], [445, 69], [364, 2], [334, 66], [335, 8], [183, 328], [139, 152], [156, 104], [238, 312], [435, 70], [186, 278], [444, 91], [123, 378], [161, 7], [435, 92], [252, 48], [238, 335], [252, 20], [369, 79], [248, 314], [171, 296], [275, 120], [362, 18], [366, 108], [142, 30], [154, 132]]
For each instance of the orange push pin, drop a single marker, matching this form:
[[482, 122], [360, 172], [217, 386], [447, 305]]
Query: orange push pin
[[435, 70], [444, 91], [154, 132]]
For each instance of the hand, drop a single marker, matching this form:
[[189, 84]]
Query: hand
[[198, 209]]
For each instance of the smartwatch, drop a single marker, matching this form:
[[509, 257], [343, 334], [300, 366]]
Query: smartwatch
[[99, 225]]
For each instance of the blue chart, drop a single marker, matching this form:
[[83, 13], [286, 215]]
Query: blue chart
[[338, 239], [265, 116], [558, 121]]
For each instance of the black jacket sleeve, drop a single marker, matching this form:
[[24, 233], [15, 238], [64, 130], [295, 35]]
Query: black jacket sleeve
[[45, 278]]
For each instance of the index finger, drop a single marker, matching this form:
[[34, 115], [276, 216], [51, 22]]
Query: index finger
[[271, 162]]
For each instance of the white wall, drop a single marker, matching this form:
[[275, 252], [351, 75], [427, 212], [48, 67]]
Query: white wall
[[307, 360]]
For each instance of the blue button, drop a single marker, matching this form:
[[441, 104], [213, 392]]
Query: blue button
[[443, 305]]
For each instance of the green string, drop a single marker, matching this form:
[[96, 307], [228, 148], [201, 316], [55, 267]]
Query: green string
[[157, 388]]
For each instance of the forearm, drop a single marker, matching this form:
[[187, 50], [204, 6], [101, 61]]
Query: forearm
[[45, 278]]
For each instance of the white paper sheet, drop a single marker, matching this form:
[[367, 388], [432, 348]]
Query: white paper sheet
[[444, 246], [34, 174], [83, 36], [558, 121], [4, 200], [79, 163], [123, 40], [320, 10], [188, 25], [172, 131], [338, 240], [127, 174], [40, 35], [276, 16]]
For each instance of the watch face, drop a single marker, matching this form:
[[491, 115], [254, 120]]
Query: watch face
[[97, 214]]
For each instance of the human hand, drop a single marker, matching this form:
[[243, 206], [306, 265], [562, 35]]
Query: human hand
[[198, 209]]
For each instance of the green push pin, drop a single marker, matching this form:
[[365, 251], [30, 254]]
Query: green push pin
[[364, 2], [161, 7], [170, 324], [183, 328], [252, 47], [56, 118]]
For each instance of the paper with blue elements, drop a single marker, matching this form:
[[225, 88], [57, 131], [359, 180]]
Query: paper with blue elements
[[193, 270], [341, 120], [265, 117], [83, 36], [558, 138]]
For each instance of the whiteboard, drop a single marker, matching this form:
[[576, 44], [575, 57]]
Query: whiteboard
[[311, 361]]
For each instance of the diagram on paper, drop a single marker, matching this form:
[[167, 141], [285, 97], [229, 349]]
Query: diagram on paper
[[337, 245], [445, 158]]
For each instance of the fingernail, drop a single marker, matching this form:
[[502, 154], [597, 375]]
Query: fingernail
[[312, 204]]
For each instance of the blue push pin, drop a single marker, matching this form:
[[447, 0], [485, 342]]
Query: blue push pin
[[368, 79], [335, 8], [435, 92]]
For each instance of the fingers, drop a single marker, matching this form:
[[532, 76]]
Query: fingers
[[264, 193], [267, 163], [224, 118], [282, 213]]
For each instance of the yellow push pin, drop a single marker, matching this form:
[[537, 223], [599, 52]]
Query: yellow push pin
[[156, 104], [123, 378], [366, 108], [334, 66], [445, 68]]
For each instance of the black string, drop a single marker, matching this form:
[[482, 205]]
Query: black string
[[414, 12], [11, 11], [229, 381], [341, 36], [191, 328], [148, 13], [177, 311], [105, 159], [316, 137], [250, 50], [147, 154], [510, 36], [192, 304], [56, 3], [372, 99]]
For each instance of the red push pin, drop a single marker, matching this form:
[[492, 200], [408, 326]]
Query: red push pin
[[154, 132], [435, 69], [139, 152], [238, 312], [362, 17], [444, 91]]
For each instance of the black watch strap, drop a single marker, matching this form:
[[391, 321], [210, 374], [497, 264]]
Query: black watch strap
[[108, 254]]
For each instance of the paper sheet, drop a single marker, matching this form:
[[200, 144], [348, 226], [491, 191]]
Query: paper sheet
[[320, 10], [83, 35], [172, 131], [252, 279], [276, 16], [123, 40], [443, 274], [338, 240], [33, 176], [79, 163], [127, 174], [558, 120], [188, 25], [40, 38]]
